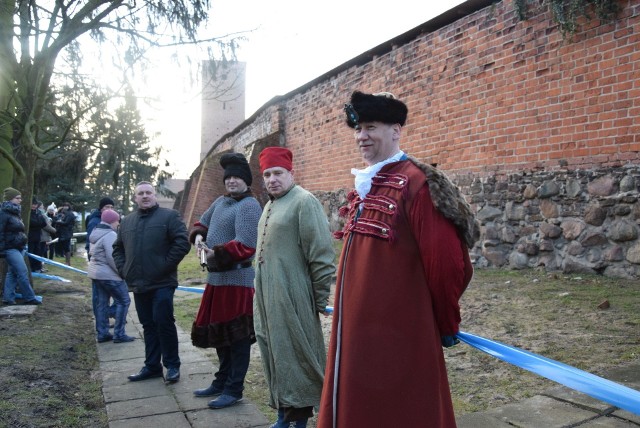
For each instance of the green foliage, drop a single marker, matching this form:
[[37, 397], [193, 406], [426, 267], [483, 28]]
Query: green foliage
[[103, 154], [567, 12], [122, 156]]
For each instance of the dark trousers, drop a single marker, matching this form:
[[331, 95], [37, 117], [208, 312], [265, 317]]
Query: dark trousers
[[234, 363], [34, 248], [155, 312], [51, 250]]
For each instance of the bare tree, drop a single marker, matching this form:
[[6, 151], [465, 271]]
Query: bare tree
[[32, 36]]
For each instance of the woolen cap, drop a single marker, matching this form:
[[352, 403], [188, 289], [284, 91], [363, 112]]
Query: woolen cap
[[10, 193], [109, 216], [105, 201], [381, 107], [276, 156], [236, 165]]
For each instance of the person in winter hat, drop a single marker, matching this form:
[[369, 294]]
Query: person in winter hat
[[10, 193], [228, 229], [294, 272], [37, 221], [407, 236], [92, 220], [106, 280], [13, 241]]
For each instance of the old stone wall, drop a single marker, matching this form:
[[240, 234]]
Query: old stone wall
[[574, 221], [569, 220]]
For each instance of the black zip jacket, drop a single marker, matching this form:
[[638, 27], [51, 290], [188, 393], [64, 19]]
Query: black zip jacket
[[150, 245], [12, 234]]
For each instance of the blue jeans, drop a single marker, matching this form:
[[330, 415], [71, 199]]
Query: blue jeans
[[17, 277], [234, 363], [94, 304], [104, 290], [155, 312]]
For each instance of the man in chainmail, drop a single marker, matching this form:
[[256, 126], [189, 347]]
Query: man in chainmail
[[228, 229]]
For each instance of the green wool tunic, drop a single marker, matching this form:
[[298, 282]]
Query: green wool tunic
[[294, 270]]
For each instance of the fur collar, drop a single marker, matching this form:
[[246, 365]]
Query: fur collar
[[448, 199]]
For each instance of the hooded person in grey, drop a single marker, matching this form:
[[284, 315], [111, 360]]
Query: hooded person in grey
[[106, 280]]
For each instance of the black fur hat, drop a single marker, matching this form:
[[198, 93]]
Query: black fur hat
[[381, 107], [236, 165]]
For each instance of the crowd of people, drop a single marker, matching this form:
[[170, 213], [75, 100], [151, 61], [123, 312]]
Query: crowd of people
[[403, 268], [49, 234]]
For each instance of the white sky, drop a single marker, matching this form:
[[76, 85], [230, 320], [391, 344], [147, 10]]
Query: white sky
[[293, 43]]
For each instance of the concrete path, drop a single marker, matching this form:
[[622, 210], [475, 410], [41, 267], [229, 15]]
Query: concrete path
[[561, 407], [154, 403]]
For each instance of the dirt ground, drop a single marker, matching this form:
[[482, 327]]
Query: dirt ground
[[551, 314], [48, 360], [589, 322]]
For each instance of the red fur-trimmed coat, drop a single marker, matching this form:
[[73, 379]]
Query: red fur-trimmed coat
[[403, 268]]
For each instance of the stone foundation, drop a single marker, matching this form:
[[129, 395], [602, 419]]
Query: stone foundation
[[574, 221]]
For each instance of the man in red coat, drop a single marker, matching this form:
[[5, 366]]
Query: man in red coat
[[403, 267]]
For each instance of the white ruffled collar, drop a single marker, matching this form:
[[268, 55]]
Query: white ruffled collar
[[363, 176]]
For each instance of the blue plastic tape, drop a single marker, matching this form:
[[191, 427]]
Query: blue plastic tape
[[57, 278], [191, 289], [51, 262], [592, 385], [597, 387], [52, 277]]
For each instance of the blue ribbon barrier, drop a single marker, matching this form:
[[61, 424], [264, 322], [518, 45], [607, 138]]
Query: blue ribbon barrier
[[51, 262], [597, 387], [191, 289], [587, 383], [52, 277], [58, 278]]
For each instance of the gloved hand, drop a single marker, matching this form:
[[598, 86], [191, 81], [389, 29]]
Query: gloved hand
[[449, 341], [197, 230], [212, 261]]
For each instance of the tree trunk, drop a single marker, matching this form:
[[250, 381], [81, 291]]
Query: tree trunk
[[24, 183], [7, 89]]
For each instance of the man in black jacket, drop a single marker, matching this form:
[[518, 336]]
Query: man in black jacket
[[36, 223], [64, 224], [151, 242]]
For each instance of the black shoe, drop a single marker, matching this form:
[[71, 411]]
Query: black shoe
[[32, 302], [103, 339], [144, 374], [213, 390], [223, 401], [9, 303], [123, 339], [173, 375]]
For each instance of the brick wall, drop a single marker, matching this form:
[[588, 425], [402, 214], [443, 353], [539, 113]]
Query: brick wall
[[488, 96]]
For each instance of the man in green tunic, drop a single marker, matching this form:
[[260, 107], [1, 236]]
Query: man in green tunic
[[294, 271]]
